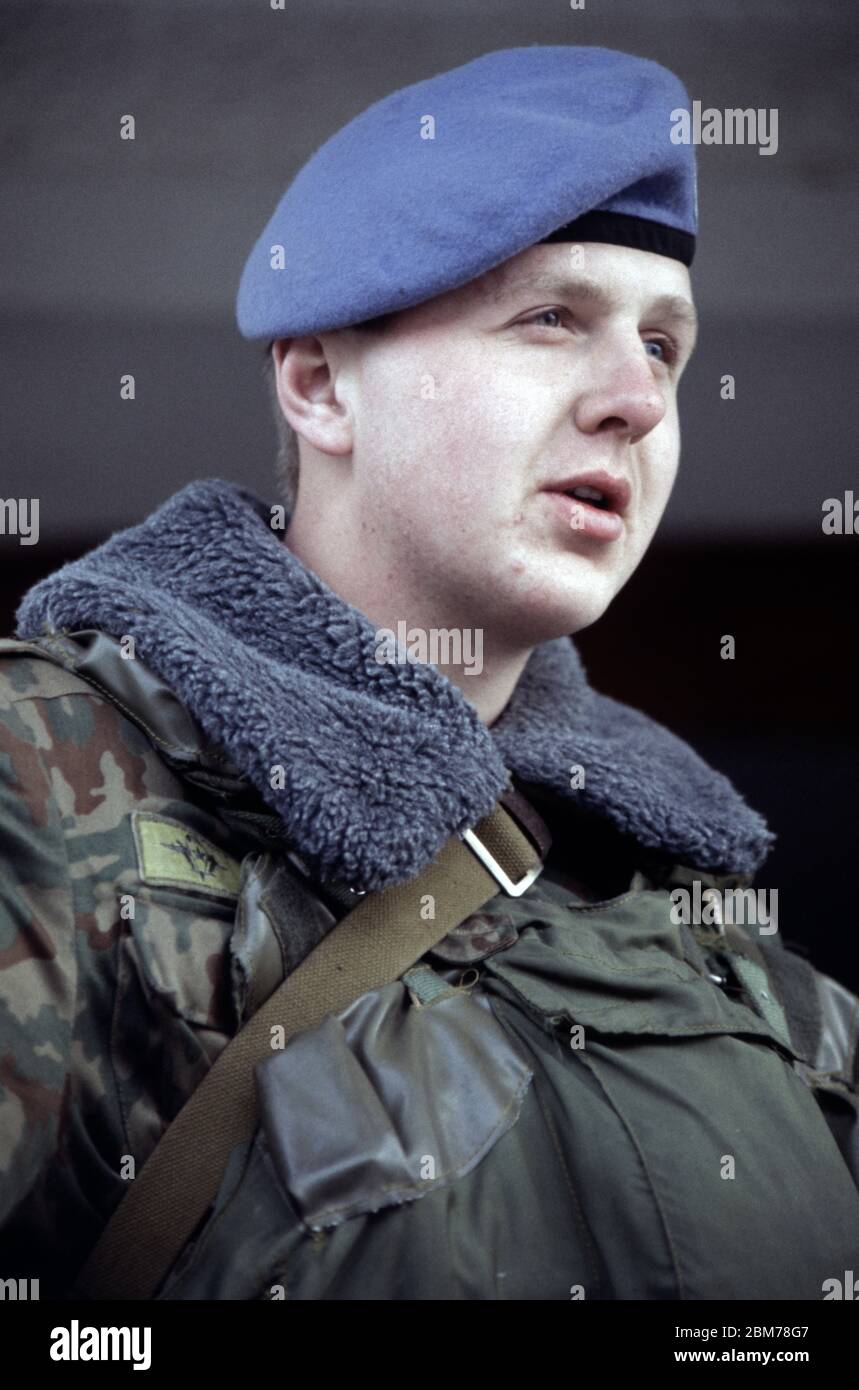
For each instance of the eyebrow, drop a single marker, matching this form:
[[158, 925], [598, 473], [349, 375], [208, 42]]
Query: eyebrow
[[675, 306]]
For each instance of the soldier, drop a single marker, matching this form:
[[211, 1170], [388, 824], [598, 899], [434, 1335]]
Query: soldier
[[480, 1050]]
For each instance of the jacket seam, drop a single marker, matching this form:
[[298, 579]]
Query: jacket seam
[[581, 1219], [635, 1143], [579, 1215], [763, 1031], [50, 640]]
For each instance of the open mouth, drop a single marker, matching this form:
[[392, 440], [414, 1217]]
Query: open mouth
[[596, 489], [592, 495], [593, 511]]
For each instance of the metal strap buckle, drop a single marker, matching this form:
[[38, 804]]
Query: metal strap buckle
[[515, 890]]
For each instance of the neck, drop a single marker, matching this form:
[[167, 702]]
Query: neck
[[489, 689]]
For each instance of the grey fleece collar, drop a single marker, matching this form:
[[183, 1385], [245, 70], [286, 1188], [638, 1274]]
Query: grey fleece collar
[[382, 762]]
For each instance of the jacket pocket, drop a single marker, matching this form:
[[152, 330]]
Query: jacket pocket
[[180, 942], [387, 1100], [618, 968], [174, 1010]]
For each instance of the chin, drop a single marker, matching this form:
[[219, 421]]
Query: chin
[[582, 616], [562, 614]]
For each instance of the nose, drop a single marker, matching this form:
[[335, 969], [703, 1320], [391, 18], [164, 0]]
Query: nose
[[622, 396]]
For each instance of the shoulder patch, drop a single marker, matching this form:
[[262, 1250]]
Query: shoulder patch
[[174, 856]]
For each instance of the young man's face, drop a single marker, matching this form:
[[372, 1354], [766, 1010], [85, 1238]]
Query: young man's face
[[474, 413]]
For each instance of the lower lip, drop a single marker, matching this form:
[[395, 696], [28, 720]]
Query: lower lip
[[583, 519]]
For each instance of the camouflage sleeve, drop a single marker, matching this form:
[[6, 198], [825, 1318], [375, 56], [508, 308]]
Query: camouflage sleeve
[[37, 953], [117, 982]]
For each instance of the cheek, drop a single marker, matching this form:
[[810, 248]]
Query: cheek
[[428, 438], [658, 467]]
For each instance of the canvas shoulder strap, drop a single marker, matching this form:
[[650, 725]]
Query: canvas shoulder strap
[[370, 947]]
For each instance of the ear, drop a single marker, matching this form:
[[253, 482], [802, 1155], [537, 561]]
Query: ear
[[306, 377]]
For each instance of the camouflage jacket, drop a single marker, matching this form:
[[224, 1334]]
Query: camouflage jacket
[[149, 905]]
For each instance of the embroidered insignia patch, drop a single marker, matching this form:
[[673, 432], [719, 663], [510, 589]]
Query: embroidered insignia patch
[[171, 854]]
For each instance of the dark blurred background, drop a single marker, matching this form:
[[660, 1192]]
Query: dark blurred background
[[120, 256]]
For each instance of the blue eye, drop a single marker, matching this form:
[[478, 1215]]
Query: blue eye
[[666, 347], [545, 313]]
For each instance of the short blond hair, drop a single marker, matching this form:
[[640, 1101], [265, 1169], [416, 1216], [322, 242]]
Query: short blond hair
[[286, 463]]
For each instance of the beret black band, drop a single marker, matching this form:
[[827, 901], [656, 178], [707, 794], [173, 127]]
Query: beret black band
[[619, 229]]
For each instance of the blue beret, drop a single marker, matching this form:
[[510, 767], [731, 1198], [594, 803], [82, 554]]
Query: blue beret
[[439, 182]]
